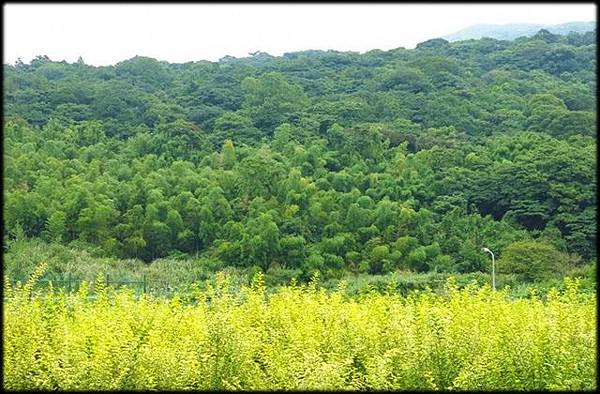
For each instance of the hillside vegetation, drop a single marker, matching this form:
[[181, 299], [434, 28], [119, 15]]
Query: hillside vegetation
[[331, 161]]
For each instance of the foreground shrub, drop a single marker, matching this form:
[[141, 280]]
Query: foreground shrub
[[300, 337]]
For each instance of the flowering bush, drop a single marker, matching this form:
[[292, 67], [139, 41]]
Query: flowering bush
[[300, 337]]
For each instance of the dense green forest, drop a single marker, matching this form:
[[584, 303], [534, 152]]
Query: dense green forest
[[338, 162]]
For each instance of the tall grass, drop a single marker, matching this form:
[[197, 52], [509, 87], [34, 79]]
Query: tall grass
[[299, 337]]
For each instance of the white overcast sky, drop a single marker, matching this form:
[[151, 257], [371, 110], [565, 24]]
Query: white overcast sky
[[105, 34]]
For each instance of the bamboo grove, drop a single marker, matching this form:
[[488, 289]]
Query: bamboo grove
[[338, 162]]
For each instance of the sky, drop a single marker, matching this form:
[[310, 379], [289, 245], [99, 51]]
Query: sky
[[105, 34]]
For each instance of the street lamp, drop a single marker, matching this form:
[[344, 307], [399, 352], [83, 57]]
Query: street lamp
[[493, 267]]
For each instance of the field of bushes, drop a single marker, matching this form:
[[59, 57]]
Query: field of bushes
[[297, 337]]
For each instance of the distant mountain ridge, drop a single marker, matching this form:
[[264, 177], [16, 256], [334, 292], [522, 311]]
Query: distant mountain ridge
[[512, 31]]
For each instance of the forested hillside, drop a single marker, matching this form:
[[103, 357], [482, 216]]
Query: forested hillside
[[333, 161]]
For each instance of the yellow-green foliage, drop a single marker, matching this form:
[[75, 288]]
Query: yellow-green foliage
[[301, 337]]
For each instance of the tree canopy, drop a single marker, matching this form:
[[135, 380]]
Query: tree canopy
[[316, 160]]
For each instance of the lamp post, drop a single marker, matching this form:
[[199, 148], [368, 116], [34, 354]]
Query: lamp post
[[493, 267]]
